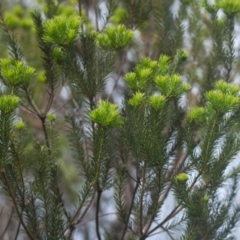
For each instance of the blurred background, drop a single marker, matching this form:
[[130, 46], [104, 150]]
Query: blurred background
[[161, 27]]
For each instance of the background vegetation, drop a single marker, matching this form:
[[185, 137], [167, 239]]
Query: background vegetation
[[162, 161]]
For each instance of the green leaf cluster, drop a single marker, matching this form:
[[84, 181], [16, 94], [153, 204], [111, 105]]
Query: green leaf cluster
[[106, 114], [115, 37], [62, 30], [15, 72]]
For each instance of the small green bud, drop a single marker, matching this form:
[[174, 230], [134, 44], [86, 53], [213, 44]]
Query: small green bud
[[136, 99], [181, 177], [20, 125], [51, 117], [9, 103], [206, 198], [183, 55], [185, 87], [41, 77], [157, 102], [106, 114]]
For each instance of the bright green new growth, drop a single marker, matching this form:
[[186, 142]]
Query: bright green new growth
[[181, 177], [62, 30], [41, 77], [106, 114], [221, 102], [157, 102], [115, 37], [15, 72], [226, 88], [51, 117], [8, 103], [136, 100], [20, 125], [196, 114], [230, 7], [206, 198], [171, 85], [163, 64]]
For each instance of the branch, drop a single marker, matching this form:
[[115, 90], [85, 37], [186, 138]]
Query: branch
[[8, 223], [99, 193], [16, 205], [130, 209]]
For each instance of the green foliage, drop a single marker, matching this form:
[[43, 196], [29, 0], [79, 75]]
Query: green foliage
[[62, 30], [115, 37], [68, 151], [106, 114], [8, 103]]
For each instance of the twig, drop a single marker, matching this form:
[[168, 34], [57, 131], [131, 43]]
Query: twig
[[17, 232], [175, 211], [8, 223], [130, 209], [119, 74], [16, 205], [99, 193], [96, 14], [99, 216], [30, 100], [76, 213], [141, 199], [85, 210]]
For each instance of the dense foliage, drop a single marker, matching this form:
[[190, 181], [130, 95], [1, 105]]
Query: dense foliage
[[120, 116]]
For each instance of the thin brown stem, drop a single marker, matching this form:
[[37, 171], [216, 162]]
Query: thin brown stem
[[64, 104], [80, 11], [99, 216], [77, 212], [30, 100], [26, 109], [175, 211], [43, 121], [86, 210], [10, 192], [130, 209], [142, 199], [99, 193], [96, 15], [119, 75], [8, 223], [17, 232]]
